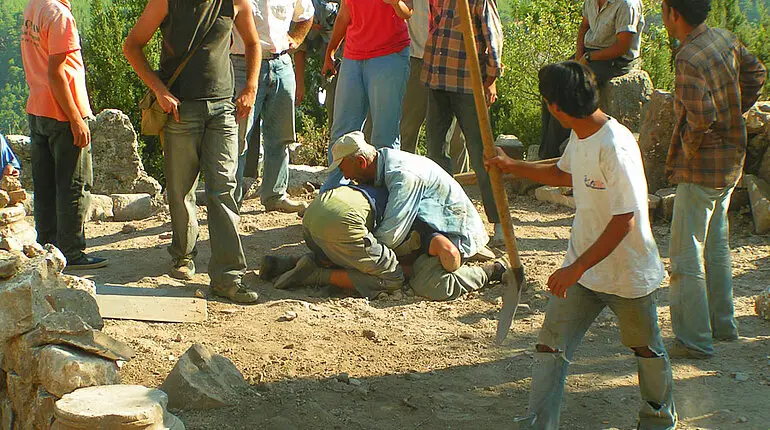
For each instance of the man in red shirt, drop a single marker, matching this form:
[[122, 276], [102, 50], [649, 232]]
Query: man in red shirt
[[60, 139]]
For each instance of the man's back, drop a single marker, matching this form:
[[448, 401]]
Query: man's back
[[713, 89], [420, 188]]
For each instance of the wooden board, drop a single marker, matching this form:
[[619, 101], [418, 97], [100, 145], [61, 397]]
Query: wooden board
[[152, 308]]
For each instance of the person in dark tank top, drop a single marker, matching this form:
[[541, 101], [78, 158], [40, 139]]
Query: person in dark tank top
[[201, 132]]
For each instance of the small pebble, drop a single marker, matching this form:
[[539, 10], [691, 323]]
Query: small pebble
[[199, 294], [466, 336], [179, 337], [741, 377], [171, 357], [165, 236], [288, 316], [343, 377], [288, 346], [743, 420], [370, 334], [354, 382], [128, 228]]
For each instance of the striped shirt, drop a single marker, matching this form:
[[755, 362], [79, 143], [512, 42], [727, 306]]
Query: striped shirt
[[445, 66], [717, 80]]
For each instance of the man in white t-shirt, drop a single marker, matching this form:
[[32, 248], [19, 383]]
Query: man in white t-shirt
[[612, 259], [282, 26]]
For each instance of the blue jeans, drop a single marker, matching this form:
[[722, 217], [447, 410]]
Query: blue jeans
[[443, 107], [204, 139], [701, 289], [566, 322], [248, 135], [275, 106], [374, 86]]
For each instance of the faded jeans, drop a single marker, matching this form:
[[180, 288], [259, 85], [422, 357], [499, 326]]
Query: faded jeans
[[701, 289], [275, 106], [204, 139], [374, 86], [248, 133], [566, 322]]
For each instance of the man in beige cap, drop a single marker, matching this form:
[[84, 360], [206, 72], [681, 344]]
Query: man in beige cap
[[425, 218]]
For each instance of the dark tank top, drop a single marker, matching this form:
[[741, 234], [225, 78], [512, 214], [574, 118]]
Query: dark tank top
[[209, 73]]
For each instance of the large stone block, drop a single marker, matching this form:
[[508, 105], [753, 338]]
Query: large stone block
[[115, 407], [44, 405], [759, 196], [556, 195], [22, 397], [301, 175], [655, 137], [100, 209], [9, 264], [63, 370], [118, 169], [132, 207], [202, 380], [511, 145], [79, 302], [665, 208], [624, 97]]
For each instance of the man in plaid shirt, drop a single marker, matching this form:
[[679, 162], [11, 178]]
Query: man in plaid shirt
[[446, 72], [717, 80]]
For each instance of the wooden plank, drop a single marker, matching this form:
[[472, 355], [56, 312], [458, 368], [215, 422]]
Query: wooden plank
[[152, 308]]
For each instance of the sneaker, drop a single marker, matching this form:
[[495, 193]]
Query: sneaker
[[275, 265], [286, 205], [498, 239], [86, 261], [236, 293], [678, 350], [183, 269]]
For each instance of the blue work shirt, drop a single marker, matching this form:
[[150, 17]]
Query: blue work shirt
[[420, 188]]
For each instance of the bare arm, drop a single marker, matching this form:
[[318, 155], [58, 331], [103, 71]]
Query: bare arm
[[617, 229], [61, 92], [244, 24], [403, 10], [152, 16], [621, 46], [338, 33], [544, 173], [581, 39], [298, 31]]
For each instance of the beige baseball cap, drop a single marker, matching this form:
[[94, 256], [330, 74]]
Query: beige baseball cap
[[346, 145]]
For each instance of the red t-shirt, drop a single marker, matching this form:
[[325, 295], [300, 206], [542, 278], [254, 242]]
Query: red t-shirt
[[374, 30]]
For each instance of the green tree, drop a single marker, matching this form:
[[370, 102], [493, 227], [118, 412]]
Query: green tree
[[13, 87]]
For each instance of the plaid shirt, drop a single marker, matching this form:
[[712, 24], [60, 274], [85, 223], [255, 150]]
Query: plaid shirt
[[445, 66], [717, 80]]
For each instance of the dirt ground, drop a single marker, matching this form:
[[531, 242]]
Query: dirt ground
[[428, 365]]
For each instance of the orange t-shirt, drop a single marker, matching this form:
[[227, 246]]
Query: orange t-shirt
[[49, 29]]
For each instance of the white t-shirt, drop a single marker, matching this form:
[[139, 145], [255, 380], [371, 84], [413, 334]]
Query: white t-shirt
[[273, 19], [608, 179]]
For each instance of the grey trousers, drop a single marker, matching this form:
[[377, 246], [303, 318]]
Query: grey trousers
[[205, 139], [63, 175], [432, 281]]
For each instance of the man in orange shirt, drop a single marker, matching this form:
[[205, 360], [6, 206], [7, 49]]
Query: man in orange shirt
[[61, 141]]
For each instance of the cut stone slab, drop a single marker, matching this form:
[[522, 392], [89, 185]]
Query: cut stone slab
[[11, 244], [66, 328], [63, 370], [511, 145], [16, 197], [79, 302], [115, 407], [152, 308], [100, 209], [556, 195], [12, 214], [202, 380], [759, 195], [301, 175], [133, 207], [762, 305]]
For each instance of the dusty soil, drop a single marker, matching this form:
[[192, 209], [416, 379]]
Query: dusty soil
[[428, 365]]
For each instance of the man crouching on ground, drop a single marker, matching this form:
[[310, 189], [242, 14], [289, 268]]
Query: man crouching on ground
[[612, 259], [416, 208]]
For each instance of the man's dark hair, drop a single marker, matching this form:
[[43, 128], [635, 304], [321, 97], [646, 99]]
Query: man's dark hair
[[571, 86], [694, 12]]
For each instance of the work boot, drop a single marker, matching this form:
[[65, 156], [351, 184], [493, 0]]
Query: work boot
[[496, 269], [305, 272], [285, 205], [275, 265], [236, 293], [183, 269], [498, 239]]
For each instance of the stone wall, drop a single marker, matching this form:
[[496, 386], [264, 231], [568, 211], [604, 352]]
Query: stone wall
[[624, 97]]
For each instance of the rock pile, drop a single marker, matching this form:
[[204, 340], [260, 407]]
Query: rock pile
[[50, 338]]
